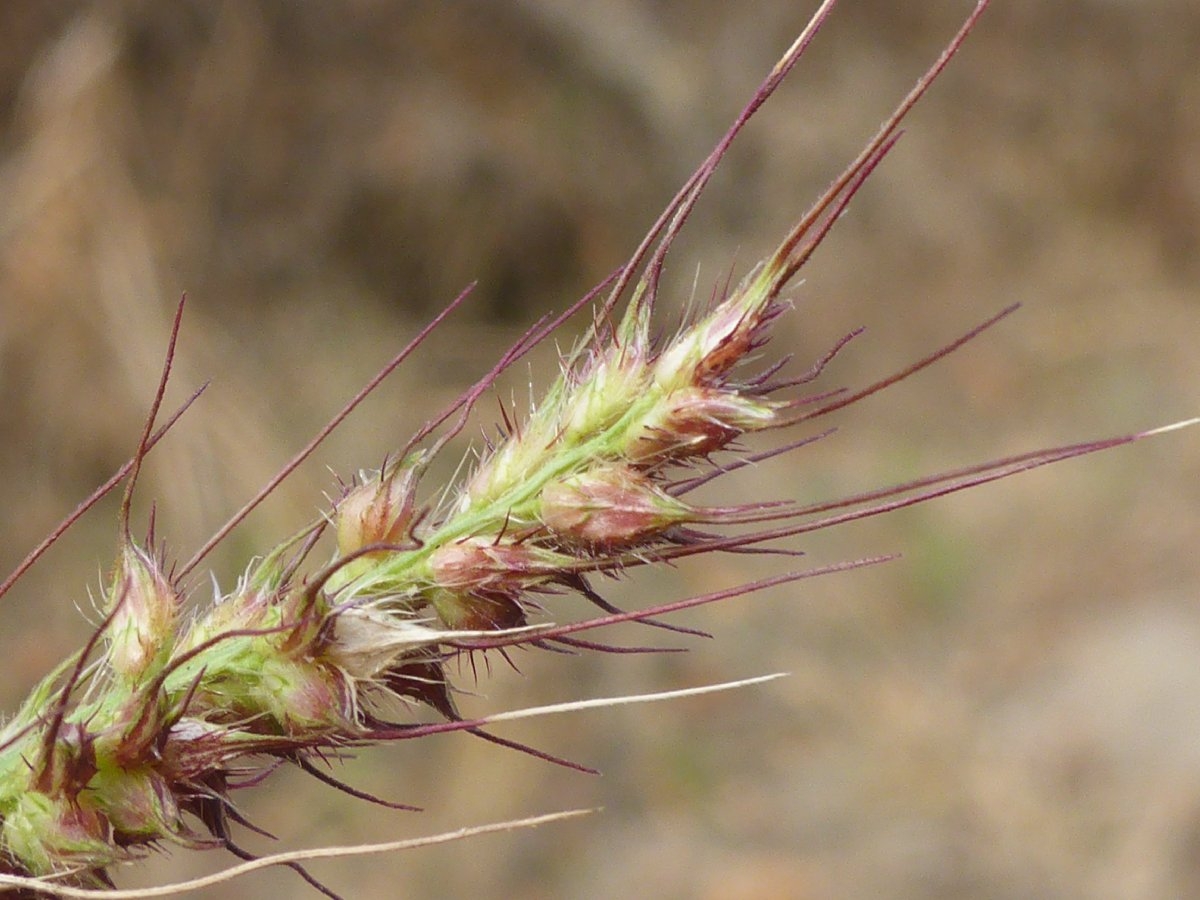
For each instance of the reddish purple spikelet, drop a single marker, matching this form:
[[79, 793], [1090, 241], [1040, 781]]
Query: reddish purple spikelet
[[609, 507], [477, 583], [144, 605], [695, 422], [381, 510]]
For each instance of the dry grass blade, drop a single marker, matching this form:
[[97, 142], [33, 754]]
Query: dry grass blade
[[291, 856]]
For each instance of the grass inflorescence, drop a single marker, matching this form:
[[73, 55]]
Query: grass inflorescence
[[139, 740]]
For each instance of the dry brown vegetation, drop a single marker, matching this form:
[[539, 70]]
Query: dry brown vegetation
[[1008, 711]]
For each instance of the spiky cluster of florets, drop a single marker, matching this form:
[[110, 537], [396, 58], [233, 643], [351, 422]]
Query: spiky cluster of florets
[[137, 740], [285, 667], [579, 484]]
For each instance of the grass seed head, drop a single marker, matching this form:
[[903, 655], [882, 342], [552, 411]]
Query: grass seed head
[[114, 754]]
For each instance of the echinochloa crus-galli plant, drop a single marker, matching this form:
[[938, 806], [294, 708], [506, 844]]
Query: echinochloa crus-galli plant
[[139, 740]]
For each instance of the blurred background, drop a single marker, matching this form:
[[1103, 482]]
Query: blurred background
[[1007, 711]]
